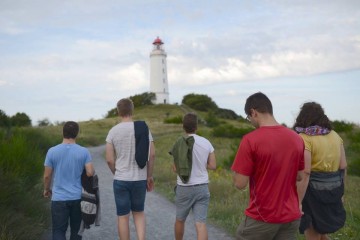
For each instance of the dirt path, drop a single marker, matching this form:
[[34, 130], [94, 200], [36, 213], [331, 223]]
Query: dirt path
[[160, 212]]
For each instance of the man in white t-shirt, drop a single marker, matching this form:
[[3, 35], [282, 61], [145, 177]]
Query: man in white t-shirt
[[194, 194], [130, 181]]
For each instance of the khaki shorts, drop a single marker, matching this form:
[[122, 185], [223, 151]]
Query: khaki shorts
[[251, 229]]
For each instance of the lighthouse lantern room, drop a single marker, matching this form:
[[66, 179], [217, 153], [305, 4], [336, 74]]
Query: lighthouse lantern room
[[158, 73]]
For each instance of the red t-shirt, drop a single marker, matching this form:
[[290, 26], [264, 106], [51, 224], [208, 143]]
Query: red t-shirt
[[271, 157]]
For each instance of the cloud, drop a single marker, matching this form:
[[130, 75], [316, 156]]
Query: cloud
[[128, 78], [2, 82]]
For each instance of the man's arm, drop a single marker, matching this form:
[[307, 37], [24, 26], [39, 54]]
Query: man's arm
[[211, 162], [150, 167], [47, 181], [240, 181], [110, 157], [303, 179], [89, 168]]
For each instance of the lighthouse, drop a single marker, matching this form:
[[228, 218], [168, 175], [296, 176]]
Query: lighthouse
[[158, 73]]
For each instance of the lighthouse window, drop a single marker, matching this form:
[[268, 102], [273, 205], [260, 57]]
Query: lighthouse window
[[163, 61], [163, 70], [163, 80]]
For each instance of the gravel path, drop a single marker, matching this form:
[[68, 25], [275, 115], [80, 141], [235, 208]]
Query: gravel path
[[160, 212]]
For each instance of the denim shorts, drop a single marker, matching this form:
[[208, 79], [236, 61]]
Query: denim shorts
[[129, 196], [195, 198]]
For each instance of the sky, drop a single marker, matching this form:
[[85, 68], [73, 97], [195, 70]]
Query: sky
[[73, 60]]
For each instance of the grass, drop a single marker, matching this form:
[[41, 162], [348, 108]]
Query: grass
[[23, 214], [227, 204]]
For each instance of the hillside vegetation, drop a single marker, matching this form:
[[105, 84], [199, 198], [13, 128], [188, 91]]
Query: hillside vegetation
[[227, 204]]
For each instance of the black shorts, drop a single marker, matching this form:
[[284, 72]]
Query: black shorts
[[322, 205]]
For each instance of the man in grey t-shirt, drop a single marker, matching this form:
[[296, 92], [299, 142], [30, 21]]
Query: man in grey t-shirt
[[130, 181]]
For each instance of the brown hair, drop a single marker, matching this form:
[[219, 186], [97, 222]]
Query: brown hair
[[190, 121], [125, 107], [311, 114], [70, 130], [260, 102]]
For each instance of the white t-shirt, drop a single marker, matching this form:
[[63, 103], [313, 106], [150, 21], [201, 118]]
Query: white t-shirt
[[122, 137], [201, 150]]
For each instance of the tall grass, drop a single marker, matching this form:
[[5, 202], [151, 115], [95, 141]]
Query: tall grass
[[23, 213], [21, 188], [227, 204]]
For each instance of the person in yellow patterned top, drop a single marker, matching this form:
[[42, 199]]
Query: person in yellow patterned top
[[321, 190]]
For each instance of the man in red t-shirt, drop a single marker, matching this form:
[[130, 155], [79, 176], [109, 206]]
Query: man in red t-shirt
[[271, 158]]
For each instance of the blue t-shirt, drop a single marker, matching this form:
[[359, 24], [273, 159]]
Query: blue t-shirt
[[68, 162]]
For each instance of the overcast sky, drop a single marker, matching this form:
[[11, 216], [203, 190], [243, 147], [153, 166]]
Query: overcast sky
[[73, 60]]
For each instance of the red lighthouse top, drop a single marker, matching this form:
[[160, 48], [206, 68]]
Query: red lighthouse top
[[158, 41]]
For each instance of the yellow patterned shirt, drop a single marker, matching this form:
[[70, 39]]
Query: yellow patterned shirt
[[325, 151]]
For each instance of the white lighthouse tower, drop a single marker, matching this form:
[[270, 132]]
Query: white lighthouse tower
[[158, 73]]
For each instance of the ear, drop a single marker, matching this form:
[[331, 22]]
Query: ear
[[253, 112]]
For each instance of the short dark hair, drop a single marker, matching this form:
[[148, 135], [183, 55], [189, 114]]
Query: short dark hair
[[190, 121], [70, 129], [311, 114], [260, 102], [125, 107]]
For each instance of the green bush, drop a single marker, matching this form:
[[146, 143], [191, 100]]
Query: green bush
[[342, 126], [176, 120], [211, 120], [229, 161], [353, 153], [199, 102], [226, 113], [23, 212], [229, 131]]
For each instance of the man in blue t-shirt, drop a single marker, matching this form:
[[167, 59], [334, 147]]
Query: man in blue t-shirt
[[64, 165]]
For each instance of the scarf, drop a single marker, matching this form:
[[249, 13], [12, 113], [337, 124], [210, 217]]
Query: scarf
[[312, 130]]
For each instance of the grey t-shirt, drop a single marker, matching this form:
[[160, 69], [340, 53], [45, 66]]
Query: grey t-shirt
[[122, 137]]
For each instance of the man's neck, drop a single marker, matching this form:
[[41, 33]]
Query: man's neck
[[126, 119], [267, 120], [69, 140]]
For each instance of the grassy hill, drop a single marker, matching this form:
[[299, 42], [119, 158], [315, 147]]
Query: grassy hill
[[227, 204]]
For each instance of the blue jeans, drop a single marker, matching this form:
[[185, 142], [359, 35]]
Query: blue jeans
[[61, 212]]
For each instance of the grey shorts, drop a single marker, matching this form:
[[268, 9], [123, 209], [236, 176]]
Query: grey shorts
[[251, 229], [192, 197]]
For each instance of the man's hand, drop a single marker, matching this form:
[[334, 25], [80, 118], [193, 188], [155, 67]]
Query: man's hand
[[150, 184], [47, 193]]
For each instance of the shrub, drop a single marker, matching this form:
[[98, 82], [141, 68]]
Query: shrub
[[176, 120], [211, 120], [22, 210], [226, 113], [229, 131], [342, 126], [199, 102], [353, 153]]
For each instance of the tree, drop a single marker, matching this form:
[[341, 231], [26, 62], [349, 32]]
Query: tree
[[4, 119], [199, 102], [44, 122], [143, 99], [226, 113], [20, 120], [111, 113]]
